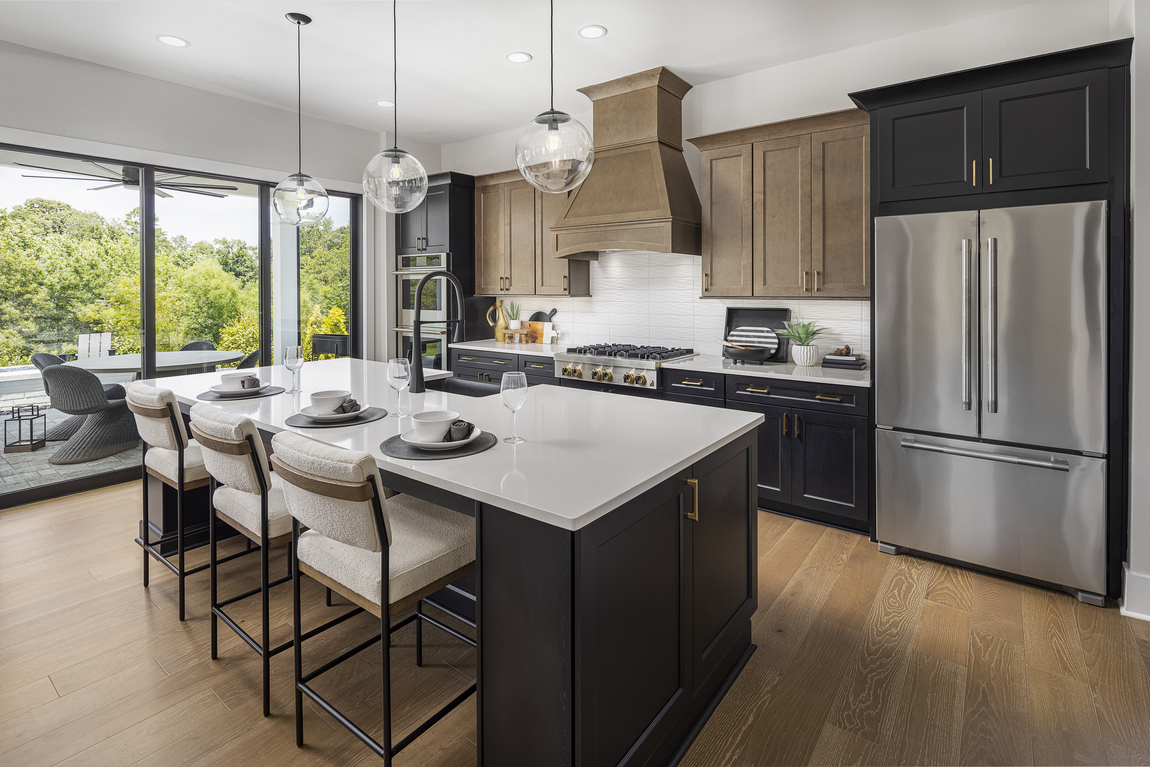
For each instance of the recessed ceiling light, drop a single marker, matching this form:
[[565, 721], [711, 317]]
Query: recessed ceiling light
[[172, 40], [519, 57], [385, 103], [593, 31]]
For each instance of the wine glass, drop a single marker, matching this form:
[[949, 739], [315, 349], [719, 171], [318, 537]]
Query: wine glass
[[293, 361], [513, 391], [398, 378]]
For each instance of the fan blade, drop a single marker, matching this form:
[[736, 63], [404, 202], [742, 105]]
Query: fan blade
[[199, 186], [108, 170], [98, 188], [196, 191], [89, 179], [162, 193]]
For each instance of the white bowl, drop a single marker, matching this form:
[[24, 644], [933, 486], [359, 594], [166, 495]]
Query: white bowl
[[432, 426], [231, 381], [327, 401]]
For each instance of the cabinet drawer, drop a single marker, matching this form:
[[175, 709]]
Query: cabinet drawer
[[537, 366], [484, 360], [692, 383], [469, 373], [831, 398], [687, 398]]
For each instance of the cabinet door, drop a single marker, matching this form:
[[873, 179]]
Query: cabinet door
[[930, 148], [829, 463], [727, 269], [782, 215], [410, 228], [840, 212], [550, 272], [1049, 132], [490, 239], [521, 238], [437, 225], [774, 462]]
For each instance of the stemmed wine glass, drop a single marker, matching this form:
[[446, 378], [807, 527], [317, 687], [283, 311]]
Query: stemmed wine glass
[[513, 391], [293, 361], [398, 378]]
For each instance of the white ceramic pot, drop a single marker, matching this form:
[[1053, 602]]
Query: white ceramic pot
[[513, 324], [805, 356]]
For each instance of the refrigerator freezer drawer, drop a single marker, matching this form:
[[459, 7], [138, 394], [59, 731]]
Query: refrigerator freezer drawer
[[1028, 512]]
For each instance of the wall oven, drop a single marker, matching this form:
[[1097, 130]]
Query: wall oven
[[435, 298], [434, 343]]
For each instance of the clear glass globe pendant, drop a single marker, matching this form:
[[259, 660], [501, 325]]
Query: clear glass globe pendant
[[554, 152], [300, 200], [395, 181]]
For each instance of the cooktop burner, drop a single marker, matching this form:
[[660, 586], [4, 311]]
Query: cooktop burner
[[631, 351]]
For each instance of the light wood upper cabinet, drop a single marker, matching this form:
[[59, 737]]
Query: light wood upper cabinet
[[727, 208], [840, 212], [782, 192], [786, 209], [514, 249]]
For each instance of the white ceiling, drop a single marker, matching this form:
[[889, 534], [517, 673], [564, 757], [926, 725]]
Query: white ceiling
[[455, 83]]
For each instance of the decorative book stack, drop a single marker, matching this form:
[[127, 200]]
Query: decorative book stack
[[845, 361]]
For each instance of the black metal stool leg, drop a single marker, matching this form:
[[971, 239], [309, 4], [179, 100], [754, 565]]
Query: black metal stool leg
[[385, 627], [419, 633], [144, 522], [266, 642], [296, 620], [212, 563], [180, 531]]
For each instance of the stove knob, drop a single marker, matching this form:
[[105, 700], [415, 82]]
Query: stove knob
[[629, 377], [595, 374], [640, 379], [606, 376], [567, 370], [576, 371]]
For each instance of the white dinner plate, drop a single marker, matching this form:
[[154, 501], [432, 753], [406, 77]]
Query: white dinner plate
[[409, 437], [220, 390], [311, 413]]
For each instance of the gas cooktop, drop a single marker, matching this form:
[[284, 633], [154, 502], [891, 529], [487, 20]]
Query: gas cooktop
[[618, 364], [632, 352]]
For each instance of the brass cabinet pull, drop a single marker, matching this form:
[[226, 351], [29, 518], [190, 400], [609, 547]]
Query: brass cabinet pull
[[796, 425], [805, 275], [705, 280], [991, 171], [694, 515], [689, 382], [565, 282], [753, 390], [469, 359], [973, 172], [784, 424], [827, 398], [500, 362]]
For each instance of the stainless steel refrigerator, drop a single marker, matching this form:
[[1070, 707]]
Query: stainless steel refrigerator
[[990, 386]]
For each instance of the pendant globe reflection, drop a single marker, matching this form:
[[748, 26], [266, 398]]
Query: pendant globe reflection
[[554, 152], [299, 200], [395, 181]]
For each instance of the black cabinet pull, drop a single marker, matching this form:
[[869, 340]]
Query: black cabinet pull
[[796, 425], [784, 424]]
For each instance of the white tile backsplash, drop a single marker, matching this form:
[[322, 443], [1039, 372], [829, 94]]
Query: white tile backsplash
[[653, 298]]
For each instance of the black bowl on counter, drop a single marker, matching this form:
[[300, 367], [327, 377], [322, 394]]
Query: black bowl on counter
[[747, 355]]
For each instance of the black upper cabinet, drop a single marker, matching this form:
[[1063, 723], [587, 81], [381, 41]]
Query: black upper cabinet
[[930, 148], [442, 223], [1049, 132], [410, 228], [437, 227], [829, 455]]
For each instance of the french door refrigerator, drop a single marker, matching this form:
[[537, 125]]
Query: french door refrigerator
[[990, 388]]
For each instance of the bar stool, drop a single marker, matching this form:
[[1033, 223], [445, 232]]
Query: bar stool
[[355, 535], [248, 497], [169, 456]]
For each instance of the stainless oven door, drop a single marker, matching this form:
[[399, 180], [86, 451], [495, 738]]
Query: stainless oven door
[[434, 342], [434, 298]]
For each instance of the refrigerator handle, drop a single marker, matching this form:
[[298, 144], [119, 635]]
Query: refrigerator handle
[[992, 325], [966, 324], [1056, 464]]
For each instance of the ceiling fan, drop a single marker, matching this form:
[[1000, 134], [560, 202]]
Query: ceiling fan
[[129, 178]]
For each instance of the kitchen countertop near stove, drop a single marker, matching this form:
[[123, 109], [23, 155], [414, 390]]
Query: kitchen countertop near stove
[[711, 363], [491, 345]]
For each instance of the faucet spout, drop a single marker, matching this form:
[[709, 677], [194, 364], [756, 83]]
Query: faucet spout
[[416, 384]]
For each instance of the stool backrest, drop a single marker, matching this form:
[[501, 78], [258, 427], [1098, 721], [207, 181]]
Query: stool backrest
[[154, 409], [232, 450], [333, 491]]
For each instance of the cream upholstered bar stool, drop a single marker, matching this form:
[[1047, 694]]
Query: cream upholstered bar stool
[[383, 554], [171, 457], [250, 498]]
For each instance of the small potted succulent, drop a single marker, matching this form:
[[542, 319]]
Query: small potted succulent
[[513, 316], [802, 334]]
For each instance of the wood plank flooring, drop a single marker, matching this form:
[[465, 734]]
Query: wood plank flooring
[[863, 658]]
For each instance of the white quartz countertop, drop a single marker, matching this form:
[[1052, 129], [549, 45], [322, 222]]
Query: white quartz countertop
[[491, 345], [586, 453], [711, 363]]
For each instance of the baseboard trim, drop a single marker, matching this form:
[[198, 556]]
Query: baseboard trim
[[1135, 602]]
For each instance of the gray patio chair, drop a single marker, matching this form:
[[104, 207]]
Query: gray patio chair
[[66, 428], [108, 428], [197, 346], [250, 361]]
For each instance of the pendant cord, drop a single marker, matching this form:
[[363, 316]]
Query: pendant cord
[[299, 100], [395, 74], [552, 55]]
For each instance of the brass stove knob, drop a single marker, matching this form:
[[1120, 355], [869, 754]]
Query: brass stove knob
[[595, 374], [606, 376], [576, 371], [628, 378], [640, 379], [566, 370]]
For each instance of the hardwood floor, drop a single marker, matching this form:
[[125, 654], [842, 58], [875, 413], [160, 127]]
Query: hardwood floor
[[863, 659]]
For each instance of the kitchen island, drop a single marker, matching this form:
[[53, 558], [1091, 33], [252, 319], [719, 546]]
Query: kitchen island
[[616, 557]]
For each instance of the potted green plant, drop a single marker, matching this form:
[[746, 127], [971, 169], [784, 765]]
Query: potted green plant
[[802, 334], [513, 316]]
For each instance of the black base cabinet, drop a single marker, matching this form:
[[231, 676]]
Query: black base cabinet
[[617, 639]]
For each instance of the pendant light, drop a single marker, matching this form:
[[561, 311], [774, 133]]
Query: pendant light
[[394, 179], [554, 152], [299, 199]]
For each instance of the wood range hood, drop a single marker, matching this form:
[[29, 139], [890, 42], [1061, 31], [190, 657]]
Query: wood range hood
[[639, 194]]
